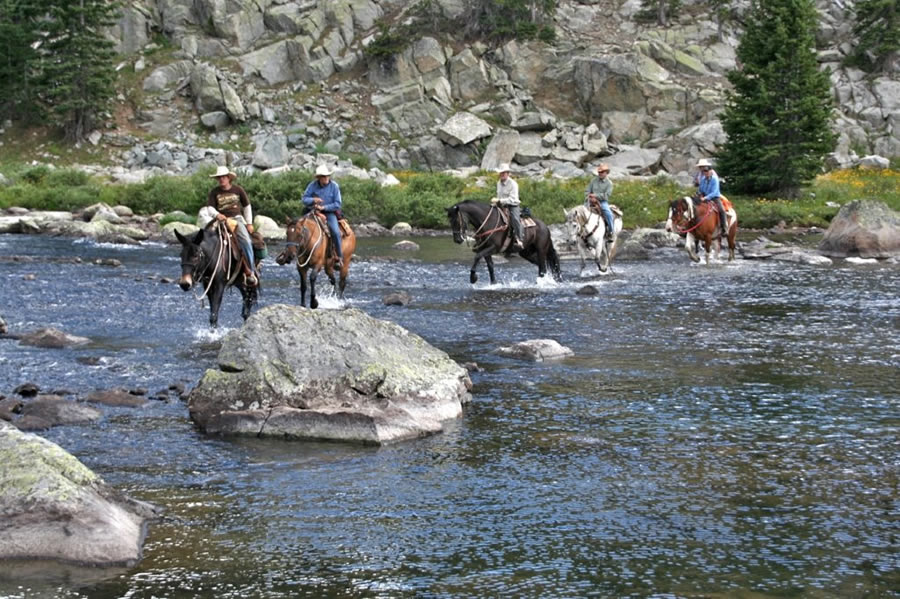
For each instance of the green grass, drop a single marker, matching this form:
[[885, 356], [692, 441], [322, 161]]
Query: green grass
[[422, 198]]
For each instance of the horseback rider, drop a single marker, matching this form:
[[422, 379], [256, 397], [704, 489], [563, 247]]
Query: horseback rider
[[708, 191], [508, 195], [231, 201], [596, 197], [323, 195]]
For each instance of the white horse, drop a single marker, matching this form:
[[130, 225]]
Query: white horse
[[587, 230]]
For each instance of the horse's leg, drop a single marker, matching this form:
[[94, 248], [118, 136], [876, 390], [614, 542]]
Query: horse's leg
[[247, 296], [490, 266], [732, 235], [582, 249], [313, 302], [216, 290], [342, 281], [689, 246], [302, 272], [485, 253], [707, 245]]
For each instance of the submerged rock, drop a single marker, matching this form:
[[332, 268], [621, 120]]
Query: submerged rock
[[864, 228], [333, 375], [53, 507], [536, 350], [52, 338]]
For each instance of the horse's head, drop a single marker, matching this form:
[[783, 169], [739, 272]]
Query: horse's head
[[576, 218], [294, 239], [681, 211], [457, 223], [193, 258]]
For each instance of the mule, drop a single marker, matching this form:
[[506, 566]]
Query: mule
[[701, 222], [308, 244], [587, 230], [492, 235], [212, 258]]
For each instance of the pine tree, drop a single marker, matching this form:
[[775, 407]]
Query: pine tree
[[78, 73], [877, 29], [778, 116], [18, 58]]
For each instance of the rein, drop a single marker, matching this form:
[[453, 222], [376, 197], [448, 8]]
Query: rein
[[502, 227], [229, 278], [313, 248], [700, 222]]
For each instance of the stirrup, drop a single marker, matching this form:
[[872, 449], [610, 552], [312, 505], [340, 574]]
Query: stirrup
[[251, 280]]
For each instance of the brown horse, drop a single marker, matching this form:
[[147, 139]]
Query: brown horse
[[308, 242], [700, 222]]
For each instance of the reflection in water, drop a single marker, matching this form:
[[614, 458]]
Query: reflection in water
[[723, 431]]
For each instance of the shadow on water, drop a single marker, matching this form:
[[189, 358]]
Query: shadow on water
[[720, 431]]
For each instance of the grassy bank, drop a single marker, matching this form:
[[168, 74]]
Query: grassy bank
[[421, 198]]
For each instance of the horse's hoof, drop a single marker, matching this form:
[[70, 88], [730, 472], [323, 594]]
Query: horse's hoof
[[473, 278], [314, 304]]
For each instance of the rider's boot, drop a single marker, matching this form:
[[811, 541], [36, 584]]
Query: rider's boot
[[338, 258], [249, 277], [517, 243]]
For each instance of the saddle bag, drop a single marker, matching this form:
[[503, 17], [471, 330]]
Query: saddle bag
[[260, 250]]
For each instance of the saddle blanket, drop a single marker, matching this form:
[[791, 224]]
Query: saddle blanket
[[528, 222]]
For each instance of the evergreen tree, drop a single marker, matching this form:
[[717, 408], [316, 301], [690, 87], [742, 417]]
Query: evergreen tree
[[18, 58], [778, 116], [877, 28], [660, 11], [78, 73]]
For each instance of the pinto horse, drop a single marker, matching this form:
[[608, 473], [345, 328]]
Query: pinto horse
[[701, 222], [308, 243], [211, 258], [492, 236], [587, 230]]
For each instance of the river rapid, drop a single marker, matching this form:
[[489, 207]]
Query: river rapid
[[721, 431]]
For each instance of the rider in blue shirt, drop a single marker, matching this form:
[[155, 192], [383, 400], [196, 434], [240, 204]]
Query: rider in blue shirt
[[324, 195], [708, 191]]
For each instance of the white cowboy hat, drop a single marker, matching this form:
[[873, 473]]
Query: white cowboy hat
[[503, 168], [603, 167], [703, 162], [323, 171], [223, 171]]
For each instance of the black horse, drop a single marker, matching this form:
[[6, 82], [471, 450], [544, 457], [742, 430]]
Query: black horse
[[208, 257], [491, 232]]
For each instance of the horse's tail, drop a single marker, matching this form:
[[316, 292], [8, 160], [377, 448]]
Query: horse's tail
[[553, 261]]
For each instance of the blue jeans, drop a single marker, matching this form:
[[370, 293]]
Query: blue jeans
[[243, 236], [331, 217], [607, 216]]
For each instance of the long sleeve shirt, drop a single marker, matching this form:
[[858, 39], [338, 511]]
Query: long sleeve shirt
[[330, 195], [508, 192], [709, 186], [602, 188]]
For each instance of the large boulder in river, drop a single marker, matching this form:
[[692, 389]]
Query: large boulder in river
[[336, 375], [53, 507], [865, 228]]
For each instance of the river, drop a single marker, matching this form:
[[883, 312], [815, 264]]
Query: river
[[723, 431]]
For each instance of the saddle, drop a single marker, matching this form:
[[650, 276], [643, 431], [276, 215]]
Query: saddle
[[260, 250], [525, 217], [595, 208]]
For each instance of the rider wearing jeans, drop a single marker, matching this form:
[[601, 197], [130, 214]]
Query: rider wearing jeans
[[596, 196], [324, 195], [231, 201], [708, 191]]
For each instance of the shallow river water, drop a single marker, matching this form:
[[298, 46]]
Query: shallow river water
[[723, 431]]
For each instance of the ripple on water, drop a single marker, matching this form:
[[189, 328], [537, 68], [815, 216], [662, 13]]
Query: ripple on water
[[722, 430]]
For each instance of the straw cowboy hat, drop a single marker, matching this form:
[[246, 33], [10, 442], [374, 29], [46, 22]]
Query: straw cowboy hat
[[503, 168], [222, 171], [703, 162], [603, 167], [323, 171]]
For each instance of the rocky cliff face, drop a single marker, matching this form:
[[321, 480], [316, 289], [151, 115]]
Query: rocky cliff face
[[292, 76]]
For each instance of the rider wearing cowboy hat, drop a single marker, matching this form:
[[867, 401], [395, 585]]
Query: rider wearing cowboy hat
[[596, 197], [231, 201], [508, 195], [708, 191], [324, 195]]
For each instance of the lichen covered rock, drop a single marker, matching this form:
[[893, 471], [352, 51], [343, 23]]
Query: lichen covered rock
[[332, 375]]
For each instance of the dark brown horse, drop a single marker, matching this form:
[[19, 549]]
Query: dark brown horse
[[210, 258], [308, 243], [492, 233], [700, 221]]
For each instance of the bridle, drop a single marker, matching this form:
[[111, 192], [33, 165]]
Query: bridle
[[689, 229], [296, 244], [201, 265], [586, 237]]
